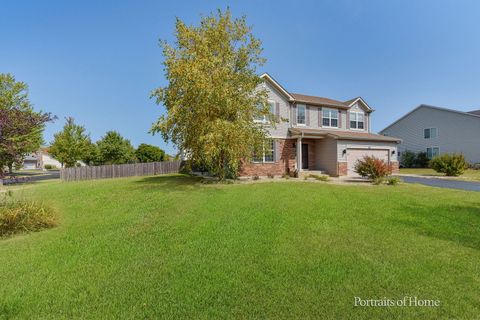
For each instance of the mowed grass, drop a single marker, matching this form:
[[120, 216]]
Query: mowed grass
[[170, 247], [469, 174]]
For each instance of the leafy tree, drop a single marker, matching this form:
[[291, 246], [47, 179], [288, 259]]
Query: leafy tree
[[70, 145], [149, 153], [91, 154], [114, 149], [213, 93], [21, 127]]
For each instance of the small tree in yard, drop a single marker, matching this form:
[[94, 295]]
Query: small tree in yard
[[373, 168], [71, 144], [213, 96], [449, 164], [149, 153], [114, 149]]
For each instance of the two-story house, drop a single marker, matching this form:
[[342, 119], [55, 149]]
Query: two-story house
[[436, 130], [318, 134]]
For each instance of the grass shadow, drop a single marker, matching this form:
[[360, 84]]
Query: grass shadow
[[455, 223], [170, 182]]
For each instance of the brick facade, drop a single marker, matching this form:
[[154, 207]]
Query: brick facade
[[342, 168], [395, 167], [284, 163]]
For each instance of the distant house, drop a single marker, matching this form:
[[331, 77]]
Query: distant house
[[39, 159], [318, 133], [45, 158], [30, 162], [436, 130]]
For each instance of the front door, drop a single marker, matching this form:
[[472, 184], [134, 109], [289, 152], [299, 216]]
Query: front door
[[304, 156]]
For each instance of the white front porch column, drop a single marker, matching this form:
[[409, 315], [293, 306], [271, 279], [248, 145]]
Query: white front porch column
[[299, 155]]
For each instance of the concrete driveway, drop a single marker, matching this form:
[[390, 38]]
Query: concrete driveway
[[443, 183]]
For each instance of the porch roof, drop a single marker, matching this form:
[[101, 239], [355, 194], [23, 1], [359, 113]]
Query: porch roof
[[341, 135]]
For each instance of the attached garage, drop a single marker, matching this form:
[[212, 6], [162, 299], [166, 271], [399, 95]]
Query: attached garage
[[355, 154]]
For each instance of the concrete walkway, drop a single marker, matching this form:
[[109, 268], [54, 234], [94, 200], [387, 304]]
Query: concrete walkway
[[443, 183]]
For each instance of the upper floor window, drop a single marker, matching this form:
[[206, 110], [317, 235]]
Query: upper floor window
[[357, 120], [330, 118], [263, 118], [301, 114], [430, 133], [267, 154], [433, 152]]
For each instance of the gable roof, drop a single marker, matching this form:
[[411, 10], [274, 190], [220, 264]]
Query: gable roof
[[318, 100], [277, 85], [471, 113], [475, 112], [313, 100]]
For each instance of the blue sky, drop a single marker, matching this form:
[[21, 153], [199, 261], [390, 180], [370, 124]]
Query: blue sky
[[98, 60]]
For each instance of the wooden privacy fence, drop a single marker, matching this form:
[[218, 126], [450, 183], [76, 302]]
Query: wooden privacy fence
[[119, 170]]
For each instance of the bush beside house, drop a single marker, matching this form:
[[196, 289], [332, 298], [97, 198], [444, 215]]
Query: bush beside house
[[450, 164]]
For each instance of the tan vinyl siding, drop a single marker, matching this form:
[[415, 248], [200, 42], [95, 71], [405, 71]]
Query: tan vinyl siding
[[456, 132], [281, 129], [326, 155]]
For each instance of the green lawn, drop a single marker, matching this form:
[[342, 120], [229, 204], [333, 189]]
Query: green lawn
[[469, 174], [168, 247]]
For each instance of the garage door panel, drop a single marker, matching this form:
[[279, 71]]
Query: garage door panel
[[353, 155]]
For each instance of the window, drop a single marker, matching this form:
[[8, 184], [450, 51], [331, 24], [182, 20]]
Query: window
[[267, 154], [330, 118], [433, 152], [263, 118], [357, 120], [301, 114], [430, 133]]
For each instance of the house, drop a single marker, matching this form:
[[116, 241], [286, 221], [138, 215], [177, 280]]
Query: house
[[39, 159], [318, 134], [44, 158], [30, 162], [436, 130]]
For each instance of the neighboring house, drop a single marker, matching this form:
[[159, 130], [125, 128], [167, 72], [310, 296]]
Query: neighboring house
[[318, 134], [30, 162], [44, 158], [437, 130], [39, 159]]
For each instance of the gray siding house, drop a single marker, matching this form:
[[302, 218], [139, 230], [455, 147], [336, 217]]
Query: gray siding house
[[437, 130], [318, 134]]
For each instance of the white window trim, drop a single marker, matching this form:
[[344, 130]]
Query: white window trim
[[350, 119], [329, 113], [432, 147], [265, 119], [296, 115], [263, 155], [430, 130]]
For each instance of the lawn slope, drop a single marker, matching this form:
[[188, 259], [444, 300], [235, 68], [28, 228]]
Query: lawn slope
[[169, 247]]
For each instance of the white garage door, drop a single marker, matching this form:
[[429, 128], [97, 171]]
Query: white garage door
[[353, 155]]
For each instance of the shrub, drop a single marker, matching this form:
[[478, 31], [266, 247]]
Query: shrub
[[255, 177], [407, 159], [373, 168], [393, 181], [421, 160], [17, 216], [449, 164], [410, 159], [270, 175], [50, 167]]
